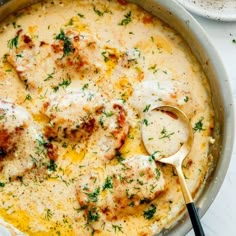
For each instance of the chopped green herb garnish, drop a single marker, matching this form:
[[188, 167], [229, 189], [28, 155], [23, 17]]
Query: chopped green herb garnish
[[40, 148], [93, 215], [85, 86], [153, 68], [28, 98], [108, 183], [101, 121], [148, 214], [127, 19], [199, 126], [147, 108], [234, 40], [65, 82], [71, 22], [80, 15], [33, 160], [152, 157], [93, 197], [108, 114], [68, 47], [2, 184], [164, 134], [52, 165], [105, 56], [140, 182], [15, 25], [119, 157], [49, 76], [55, 89], [78, 210], [158, 173], [41, 141], [98, 12], [13, 42], [48, 214], [117, 228], [145, 121], [186, 98]]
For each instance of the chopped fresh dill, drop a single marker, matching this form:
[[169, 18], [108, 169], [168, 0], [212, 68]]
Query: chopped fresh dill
[[108, 114], [52, 165], [117, 228], [146, 109], [93, 197], [93, 215], [127, 19], [80, 15], [148, 214], [145, 121], [48, 214], [13, 42], [28, 98], [98, 12], [199, 126], [108, 183], [165, 134], [68, 47]]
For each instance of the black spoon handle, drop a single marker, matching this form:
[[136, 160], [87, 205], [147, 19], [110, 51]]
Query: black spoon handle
[[197, 227]]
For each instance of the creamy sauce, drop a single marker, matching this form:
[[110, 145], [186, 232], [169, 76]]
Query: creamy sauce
[[79, 77], [164, 133]]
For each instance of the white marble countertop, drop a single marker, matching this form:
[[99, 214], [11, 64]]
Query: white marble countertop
[[220, 219]]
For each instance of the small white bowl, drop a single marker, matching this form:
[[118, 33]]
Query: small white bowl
[[222, 10]]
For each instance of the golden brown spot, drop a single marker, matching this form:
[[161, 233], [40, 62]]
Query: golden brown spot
[[148, 19], [122, 2]]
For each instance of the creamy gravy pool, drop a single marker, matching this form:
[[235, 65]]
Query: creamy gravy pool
[[76, 80]]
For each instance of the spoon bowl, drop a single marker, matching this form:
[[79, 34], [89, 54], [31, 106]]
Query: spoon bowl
[[179, 155]]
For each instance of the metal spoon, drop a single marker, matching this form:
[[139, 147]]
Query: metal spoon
[[154, 120]]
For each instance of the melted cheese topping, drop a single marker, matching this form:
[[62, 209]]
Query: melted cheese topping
[[77, 79]]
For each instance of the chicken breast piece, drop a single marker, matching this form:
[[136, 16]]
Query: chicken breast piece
[[14, 120], [112, 132], [21, 145], [77, 50], [33, 61], [136, 180], [41, 64], [73, 114], [123, 189], [86, 117]]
